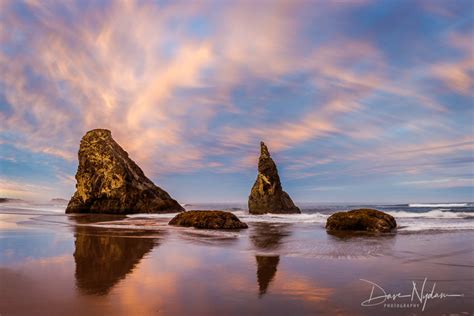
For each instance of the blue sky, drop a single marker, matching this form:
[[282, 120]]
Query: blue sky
[[358, 101]]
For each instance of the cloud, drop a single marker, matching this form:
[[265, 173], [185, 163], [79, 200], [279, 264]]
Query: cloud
[[100, 73], [441, 157], [441, 183], [342, 89], [22, 190], [189, 87], [125, 66], [458, 74]]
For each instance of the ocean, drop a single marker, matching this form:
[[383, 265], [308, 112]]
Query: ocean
[[410, 217]]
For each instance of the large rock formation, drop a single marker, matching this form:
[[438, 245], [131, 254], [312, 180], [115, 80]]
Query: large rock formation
[[108, 181], [208, 220], [267, 195], [367, 220]]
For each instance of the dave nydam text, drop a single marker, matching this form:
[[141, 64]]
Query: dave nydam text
[[418, 296]]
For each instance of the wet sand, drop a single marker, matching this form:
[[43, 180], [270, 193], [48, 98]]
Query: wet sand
[[53, 264]]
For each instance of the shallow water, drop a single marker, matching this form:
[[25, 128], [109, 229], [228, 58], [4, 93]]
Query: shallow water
[[52, 263]]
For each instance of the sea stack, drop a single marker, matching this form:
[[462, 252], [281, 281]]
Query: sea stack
[[109, 182], [267, 195]]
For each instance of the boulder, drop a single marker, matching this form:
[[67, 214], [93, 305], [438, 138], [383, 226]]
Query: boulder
[[267, 195], [367, 220], [109, 182], [208, 220]]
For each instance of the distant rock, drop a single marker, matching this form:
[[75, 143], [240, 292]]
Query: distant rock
[[267, 195], [367, 220], [109, 182], [11, 200], [208, 220], [58, 200]]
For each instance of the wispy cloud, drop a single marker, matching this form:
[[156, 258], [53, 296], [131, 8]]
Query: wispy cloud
[[193, 87], [23, 190], [441, 183], [458, 74]]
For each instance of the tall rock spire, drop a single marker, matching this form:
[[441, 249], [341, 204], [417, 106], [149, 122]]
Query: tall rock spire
[[108, 181], [267, 195]]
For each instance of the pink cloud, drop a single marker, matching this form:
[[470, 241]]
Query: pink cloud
[[458, 74]]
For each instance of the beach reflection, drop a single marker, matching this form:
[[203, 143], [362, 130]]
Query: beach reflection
[[267, 237], [266, 270], [110, 268], [105, 256]]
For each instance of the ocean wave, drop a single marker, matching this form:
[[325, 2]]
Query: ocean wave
[[437, 204], [435, 226], [283, 218], [407, 222], [436, 214], [321, 218], [142, 215], [441, 218], [53, 208], [246, 217]]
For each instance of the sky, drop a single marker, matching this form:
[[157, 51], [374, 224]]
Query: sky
[[358, 101]]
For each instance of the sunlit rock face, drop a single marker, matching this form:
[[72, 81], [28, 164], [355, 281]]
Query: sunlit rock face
[[108, 181], [267, 195]]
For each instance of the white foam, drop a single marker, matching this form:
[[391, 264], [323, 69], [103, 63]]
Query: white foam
[[438, 213], [121, 226], [440, 218], [319, 217], [33, 207], [164, 215], [435, 225], [282, 218], [244, 216], [438, 205]]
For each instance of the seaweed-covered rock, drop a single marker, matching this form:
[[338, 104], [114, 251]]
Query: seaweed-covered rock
[[109, 182], [368, 220], [208, 220], [267, 195]]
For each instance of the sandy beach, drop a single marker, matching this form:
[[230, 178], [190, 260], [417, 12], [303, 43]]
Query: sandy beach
[[236, 157], [57, 264]]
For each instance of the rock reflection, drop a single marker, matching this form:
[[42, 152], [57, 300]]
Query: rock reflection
[[104, 256], [358, 245], [225, 238], [266, 270], [267, 237]]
